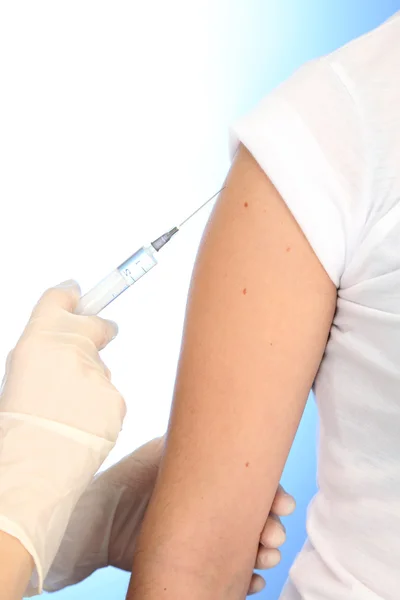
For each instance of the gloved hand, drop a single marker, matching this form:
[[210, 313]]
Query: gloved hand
[[104, 525], [59, 418]]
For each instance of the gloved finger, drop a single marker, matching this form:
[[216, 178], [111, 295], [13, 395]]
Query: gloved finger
[[7, 367], [257, 584], [65, 296], [274, 533], [138, 469], [100, 331], [267, 558], [283, 504], [107, 371], [92, 352], [8, 361]]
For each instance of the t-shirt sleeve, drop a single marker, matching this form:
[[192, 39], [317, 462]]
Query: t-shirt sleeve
[[307, 135]]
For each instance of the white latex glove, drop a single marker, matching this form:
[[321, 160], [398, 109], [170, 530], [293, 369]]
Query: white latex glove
[[105, 523], [59, 418]]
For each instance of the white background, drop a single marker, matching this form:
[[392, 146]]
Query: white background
[[113, 127]]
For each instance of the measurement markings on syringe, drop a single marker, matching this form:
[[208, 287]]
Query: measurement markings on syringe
[[127, 273]]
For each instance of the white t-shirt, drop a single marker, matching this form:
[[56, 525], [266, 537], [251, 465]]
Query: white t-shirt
[[329, 139]]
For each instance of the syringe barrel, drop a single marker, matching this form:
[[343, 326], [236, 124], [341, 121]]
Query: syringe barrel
[[117, 282], [102, 294], [138, 264]]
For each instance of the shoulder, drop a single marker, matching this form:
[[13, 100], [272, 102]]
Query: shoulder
[[325, 137]]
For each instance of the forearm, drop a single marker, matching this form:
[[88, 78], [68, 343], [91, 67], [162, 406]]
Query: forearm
[[165, 578], [201, 532], [16, 567], [183, 551]]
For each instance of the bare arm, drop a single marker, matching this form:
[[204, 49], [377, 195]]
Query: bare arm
[[259, 314], [16, 567]]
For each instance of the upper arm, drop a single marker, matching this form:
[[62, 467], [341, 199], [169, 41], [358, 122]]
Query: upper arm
[[258, 318]]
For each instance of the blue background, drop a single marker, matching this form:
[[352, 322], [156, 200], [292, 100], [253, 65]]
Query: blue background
[[309, 28]]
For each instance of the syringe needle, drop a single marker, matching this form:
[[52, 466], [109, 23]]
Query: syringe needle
[[127, 273], [200, 207], [164, 239]]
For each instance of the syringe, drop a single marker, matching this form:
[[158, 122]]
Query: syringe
[[130, 271]]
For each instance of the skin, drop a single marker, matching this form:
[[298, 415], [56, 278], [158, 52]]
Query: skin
[[16, 567], [138, 473], [259, 314]]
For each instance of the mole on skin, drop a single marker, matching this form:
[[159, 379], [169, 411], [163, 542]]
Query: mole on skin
[[247, 464], [288, 249], [244, 291], [246, 205]]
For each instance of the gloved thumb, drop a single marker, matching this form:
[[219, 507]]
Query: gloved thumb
[[65, 295]]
